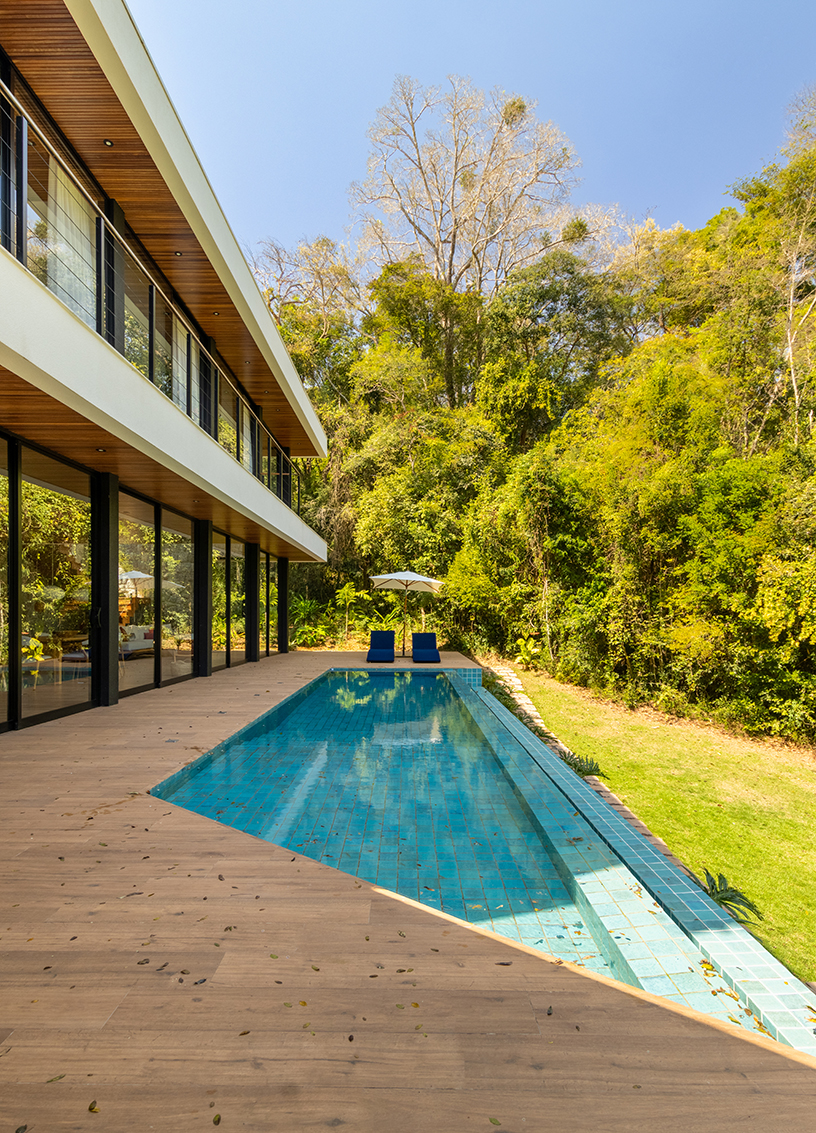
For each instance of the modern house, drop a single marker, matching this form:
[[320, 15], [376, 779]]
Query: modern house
[[149, 412]]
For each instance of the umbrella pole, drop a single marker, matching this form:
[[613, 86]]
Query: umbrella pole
[[404, 618]]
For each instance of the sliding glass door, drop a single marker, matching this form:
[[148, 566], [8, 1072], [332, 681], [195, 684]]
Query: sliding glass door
[[55, 540]]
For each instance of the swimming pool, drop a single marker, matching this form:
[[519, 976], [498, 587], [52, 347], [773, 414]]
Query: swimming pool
[[415, 782]]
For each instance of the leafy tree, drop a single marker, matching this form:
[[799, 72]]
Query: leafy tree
[[549, 330], [444, 325]]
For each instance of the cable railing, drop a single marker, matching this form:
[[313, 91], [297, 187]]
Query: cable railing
[[50, 222]]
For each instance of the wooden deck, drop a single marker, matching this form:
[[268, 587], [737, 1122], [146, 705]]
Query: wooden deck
[[171, 970]]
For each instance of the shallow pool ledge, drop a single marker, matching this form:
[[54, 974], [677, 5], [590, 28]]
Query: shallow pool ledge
[[778, 999]]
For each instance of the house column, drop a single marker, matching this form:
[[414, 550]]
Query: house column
[[283, 605], [202, 598], [105, 588], [252, 600]]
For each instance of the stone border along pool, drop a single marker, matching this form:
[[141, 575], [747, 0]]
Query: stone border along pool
[[783, 1004], [610, 898]]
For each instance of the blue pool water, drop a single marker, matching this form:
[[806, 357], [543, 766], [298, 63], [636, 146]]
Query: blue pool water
[[387, 776], [415, 782]]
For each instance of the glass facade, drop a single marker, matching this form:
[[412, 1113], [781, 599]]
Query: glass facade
[[237, 598], [177, 589], [55, 542], [51, 219], [220, 577], [46, 580], [4, 593], [61, 233], [268, 605], [137, 618]]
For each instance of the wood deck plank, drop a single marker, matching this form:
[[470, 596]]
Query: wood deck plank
[[153, 1051]]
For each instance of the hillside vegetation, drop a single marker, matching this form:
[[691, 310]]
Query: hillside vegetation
[[601, 436]]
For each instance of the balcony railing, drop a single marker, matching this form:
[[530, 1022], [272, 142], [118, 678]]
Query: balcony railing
[[51, 223]]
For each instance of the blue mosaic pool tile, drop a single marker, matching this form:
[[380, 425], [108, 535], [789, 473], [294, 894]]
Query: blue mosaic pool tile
[[734, 954], [476, 820]]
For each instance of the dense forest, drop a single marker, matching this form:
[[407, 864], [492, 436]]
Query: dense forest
[[599, 433]]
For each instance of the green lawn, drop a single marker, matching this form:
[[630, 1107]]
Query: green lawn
[[739, 807]]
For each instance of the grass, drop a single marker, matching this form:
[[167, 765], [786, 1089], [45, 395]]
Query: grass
[[744, 808]]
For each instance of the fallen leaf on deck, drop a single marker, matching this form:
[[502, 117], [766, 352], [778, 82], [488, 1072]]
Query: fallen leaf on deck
[[58, 1078]]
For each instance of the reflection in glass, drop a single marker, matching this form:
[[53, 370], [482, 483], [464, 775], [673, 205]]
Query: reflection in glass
[[268, 605], [163, 347], [56, 584], [177, 591], [61, 233], [137, 619], [137, 317], [263, 603], [4, 610], [228, 409], [219, 601], [273, 603], [180, 349], [237, 628]]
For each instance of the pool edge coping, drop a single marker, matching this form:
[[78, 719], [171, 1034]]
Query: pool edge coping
[[622, 838]]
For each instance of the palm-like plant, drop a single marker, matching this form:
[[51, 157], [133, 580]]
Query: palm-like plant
[[732, 900]]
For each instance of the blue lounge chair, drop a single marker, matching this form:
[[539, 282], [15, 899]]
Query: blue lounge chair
[[381, 646], [423, 649]]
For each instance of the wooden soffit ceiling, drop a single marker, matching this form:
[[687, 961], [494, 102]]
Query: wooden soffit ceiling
[[34, 415], [45, 45]]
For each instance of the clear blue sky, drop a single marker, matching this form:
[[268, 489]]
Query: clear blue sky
[[666, 103]]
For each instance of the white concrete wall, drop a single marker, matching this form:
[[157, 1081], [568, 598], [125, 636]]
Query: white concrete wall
[[45, 343]]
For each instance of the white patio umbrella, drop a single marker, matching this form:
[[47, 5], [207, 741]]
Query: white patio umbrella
[[134, 576], [406, 580]]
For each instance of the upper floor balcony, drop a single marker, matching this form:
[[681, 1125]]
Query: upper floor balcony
[[55, 221]]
